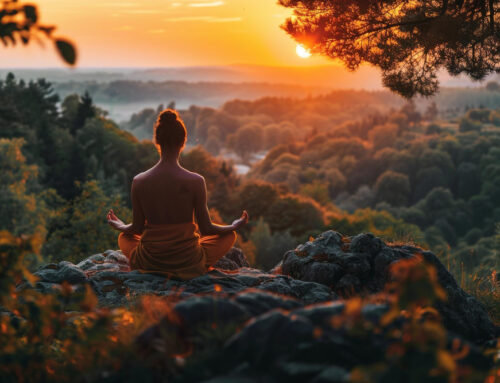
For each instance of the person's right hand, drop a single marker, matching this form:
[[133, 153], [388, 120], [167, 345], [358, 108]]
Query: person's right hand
[[115, 222], [242, 221]]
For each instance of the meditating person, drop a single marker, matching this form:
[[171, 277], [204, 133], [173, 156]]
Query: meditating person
[[163, 236]]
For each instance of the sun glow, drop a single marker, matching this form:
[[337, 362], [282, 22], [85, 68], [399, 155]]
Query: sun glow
[[302, 51]]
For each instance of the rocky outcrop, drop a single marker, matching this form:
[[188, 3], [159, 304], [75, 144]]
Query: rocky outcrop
[[294, 323], [318, 271], [114, 284], [361, 265], [300, 344]]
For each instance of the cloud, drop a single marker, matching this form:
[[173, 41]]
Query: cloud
[[189, 18], [156, 31], [208, 19], [207, 4], [123, 28], [119, 4], [224, 20], [140, 11], [176, 4]]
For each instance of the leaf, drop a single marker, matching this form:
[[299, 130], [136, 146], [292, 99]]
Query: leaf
[[31, 278], [89, 301], [66, 50], [47, 30], [30, 13]]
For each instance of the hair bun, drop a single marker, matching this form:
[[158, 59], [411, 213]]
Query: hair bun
[[169, 130], [168, 116]]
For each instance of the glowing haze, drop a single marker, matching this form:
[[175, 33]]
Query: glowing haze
[[160, 33]]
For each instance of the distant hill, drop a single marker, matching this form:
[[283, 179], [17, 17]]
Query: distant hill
[[331, 77]]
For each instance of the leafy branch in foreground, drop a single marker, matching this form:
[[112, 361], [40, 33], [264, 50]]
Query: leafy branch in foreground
[[408, 40], [20, 23]]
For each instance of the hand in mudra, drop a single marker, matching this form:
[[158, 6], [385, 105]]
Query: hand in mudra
[[240, 222], [115, 222]]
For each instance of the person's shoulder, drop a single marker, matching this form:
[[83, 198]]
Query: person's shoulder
[[139, 178], [194, 178]]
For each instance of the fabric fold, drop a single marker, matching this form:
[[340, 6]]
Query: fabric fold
[[172, 250]]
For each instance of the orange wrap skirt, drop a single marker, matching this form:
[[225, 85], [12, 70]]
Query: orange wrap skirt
[[174, 250]]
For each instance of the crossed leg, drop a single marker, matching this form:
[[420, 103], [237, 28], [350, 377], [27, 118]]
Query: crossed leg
[[215, 246], [127, 243]]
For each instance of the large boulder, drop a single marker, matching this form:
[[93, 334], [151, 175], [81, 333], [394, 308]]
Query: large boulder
[[361, 264]]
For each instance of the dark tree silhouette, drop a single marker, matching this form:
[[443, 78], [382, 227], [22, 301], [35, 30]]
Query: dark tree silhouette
[[19, 23], [408, 40]]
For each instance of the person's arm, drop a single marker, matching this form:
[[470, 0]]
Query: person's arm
[[203, 216], [138, 220]]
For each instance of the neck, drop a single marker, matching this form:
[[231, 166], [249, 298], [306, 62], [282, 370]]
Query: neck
[[170, 158]]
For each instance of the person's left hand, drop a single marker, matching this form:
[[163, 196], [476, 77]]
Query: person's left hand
[[242, 221], [115, 222]]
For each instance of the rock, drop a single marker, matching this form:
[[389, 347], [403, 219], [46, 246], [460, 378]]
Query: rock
[[348, 284], [233, 260], [62, 272], [208, 310], [272, 327], [317, 271], [361, 265], [333, 374], [301, 345], [367, 244], [115, 285]]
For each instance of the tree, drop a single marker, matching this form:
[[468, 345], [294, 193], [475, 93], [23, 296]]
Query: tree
[[393, 188], [469, 180], [80, 228], [383, 136], [408, 40], [21, 212], [20, 23], [316, 190], [468, 125], [249, 138], [85, 110], [493, 86], [270, 248], [295, 214], [256, 197]]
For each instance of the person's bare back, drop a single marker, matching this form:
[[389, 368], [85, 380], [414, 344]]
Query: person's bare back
[[166, 194]]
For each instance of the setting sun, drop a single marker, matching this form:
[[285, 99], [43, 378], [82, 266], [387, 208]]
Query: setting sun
[[302, 51]]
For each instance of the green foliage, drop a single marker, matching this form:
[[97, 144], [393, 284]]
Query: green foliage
[[380, 223], [270, 248], [393, 188], [21, 209], [316, 190], [80, 227], [256, 198], [64, 335], [300, 216], [468, 125]]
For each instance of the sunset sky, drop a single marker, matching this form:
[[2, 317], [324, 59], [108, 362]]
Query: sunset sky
[[159, 33]]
